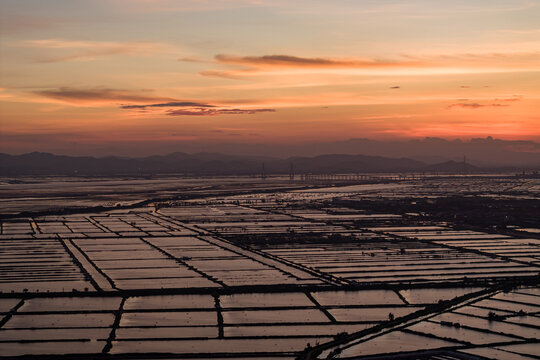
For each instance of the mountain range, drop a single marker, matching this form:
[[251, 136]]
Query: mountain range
[[38, 163]]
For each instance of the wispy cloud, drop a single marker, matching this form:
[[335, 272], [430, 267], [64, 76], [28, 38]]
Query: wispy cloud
[[192, 59], [169, 104], [3, 94], [150, 6], [193, 108], [142, 102], [214, 112], [85, 96], [474, 105], [247, 67], [296, 61], [15, 23], [75, 50], [511, 99], [518, 55], [390, 116], [499, 102], [221, 74]]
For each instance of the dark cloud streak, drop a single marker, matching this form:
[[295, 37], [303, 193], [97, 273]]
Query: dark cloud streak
[[214, 112], [142, 103], [495, 103], [169, 104], [474, 106], [513, 98], [296, 61], [98, 94]]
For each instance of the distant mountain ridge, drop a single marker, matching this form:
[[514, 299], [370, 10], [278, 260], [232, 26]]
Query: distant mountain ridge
[[453, 167], [485, 152], [38, 163]]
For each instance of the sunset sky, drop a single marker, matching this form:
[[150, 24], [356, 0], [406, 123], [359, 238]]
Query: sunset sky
[[121, 76]]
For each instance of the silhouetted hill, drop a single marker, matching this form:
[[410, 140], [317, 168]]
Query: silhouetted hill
[[352, 163], [452, 167], [483, 152], [48, 164], [38, 163]]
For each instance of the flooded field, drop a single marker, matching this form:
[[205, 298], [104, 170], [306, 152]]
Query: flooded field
[[461, 329], [268, 268]]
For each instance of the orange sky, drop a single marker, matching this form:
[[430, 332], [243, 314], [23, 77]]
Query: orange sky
[[125, 72]]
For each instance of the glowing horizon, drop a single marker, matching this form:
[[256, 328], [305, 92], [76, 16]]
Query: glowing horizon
[[126, 72]]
